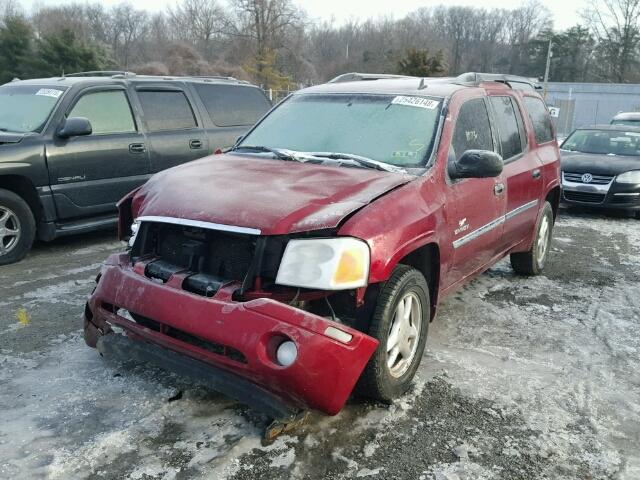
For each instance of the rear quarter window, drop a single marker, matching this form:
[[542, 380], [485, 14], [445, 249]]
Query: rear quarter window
[[233, 105], [540, 119]]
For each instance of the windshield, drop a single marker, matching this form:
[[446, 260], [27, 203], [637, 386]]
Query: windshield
[[26, 108], [396, 130], [604, 142]]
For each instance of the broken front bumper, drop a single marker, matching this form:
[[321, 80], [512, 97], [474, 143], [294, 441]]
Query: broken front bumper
[[236, 339]]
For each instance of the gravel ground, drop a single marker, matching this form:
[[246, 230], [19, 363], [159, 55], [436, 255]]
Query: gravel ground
[[522, 379]]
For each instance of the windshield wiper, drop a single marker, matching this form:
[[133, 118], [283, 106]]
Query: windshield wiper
[[363, 161], [279, 154]]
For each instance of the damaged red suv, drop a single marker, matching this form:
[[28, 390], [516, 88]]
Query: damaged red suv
[[310, 258]]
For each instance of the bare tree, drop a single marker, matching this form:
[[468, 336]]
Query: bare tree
[[523, 25], [9, 9], [198, 22], [126, 29], [616, 25]]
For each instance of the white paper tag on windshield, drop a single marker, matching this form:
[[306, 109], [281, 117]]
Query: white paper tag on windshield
[[49, 92], [419, 102]]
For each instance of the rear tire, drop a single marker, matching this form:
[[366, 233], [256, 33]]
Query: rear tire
[[402, 335], [17, 227], [533, 262]]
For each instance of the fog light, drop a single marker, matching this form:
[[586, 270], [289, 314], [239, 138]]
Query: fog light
[[286, 353]]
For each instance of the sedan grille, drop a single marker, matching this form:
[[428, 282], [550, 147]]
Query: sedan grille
[[595, 179], [584, 197]]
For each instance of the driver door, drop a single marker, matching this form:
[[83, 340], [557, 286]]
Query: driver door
[[478, 204], [89, 174]]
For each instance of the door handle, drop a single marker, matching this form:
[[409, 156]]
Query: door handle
[[536, 173], [195, 144], [137, 148], [498, 188]]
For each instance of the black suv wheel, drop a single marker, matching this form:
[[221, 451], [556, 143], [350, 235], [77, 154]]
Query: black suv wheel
[[17, 227]]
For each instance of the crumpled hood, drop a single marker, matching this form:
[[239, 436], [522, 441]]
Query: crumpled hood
[[274, 196], [10, 137], [597, 164]]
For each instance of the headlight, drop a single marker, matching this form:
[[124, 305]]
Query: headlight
[[325, 264], [629, 177], [135, 226]]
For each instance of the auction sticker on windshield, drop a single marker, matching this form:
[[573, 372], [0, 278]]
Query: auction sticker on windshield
[[49, 92], [419, 102]]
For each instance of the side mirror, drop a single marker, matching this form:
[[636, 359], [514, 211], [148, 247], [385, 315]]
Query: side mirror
[[476, 164], [75, 127]]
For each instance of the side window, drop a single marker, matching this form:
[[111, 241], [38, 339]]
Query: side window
[[233, 105], [472, 131], [539, 118], [509, 133], [108, 112], [166, 110]]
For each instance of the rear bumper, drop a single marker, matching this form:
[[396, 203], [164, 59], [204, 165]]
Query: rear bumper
[[237, 338]]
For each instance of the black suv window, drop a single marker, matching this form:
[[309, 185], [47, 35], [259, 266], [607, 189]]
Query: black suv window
[[509, 132], [473, 131], [108, 112], [233, 105], [166, 110], [539, 118]]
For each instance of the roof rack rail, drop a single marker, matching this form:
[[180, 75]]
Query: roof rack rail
[[101, 73], [514, 81], [357, 77], [215, 77]]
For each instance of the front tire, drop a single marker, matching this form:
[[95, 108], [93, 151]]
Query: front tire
[[17, 227], [533, 262], [400, 323]]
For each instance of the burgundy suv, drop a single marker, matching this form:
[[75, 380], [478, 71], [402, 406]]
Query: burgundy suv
[[310, 258]]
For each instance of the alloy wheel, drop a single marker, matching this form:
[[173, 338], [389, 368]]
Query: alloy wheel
[[404, 334], [9, 230]]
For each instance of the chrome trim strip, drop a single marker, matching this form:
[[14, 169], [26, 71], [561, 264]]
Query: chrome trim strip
[[200, 224], [493, 224], [521, 209], [476, 233], [626, 194]]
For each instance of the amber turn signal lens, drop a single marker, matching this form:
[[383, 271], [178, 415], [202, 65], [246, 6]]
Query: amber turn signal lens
[[351, 267]]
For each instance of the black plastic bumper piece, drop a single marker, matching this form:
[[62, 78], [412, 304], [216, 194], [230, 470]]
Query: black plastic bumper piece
[[233, 386]]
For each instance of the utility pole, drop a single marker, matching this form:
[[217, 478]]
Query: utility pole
[[546, 70]]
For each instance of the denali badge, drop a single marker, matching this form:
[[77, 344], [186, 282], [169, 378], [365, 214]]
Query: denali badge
[[587, 178]]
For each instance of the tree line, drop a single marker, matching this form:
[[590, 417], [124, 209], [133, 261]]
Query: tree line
[[275, 44]]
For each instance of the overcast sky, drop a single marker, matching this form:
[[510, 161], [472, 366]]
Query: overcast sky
[[565, 12]]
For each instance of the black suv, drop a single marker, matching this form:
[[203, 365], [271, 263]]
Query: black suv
[[71, 147]]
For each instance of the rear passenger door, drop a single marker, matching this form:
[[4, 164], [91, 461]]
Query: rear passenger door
[[174, 133], [231, 110], [522, 170]]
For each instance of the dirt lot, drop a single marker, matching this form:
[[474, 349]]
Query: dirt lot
[[522, 379]]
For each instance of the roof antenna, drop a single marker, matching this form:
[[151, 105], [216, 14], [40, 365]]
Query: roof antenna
[[422, 85]]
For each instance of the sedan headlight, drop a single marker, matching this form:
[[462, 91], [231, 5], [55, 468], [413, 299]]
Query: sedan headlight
[[629, 177], [325, 264]]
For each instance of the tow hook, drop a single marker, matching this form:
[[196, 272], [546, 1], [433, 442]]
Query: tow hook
[[284, 425]]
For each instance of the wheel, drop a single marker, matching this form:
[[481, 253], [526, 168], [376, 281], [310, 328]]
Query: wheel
[[17, 227], [533, 261], [400, 322]]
